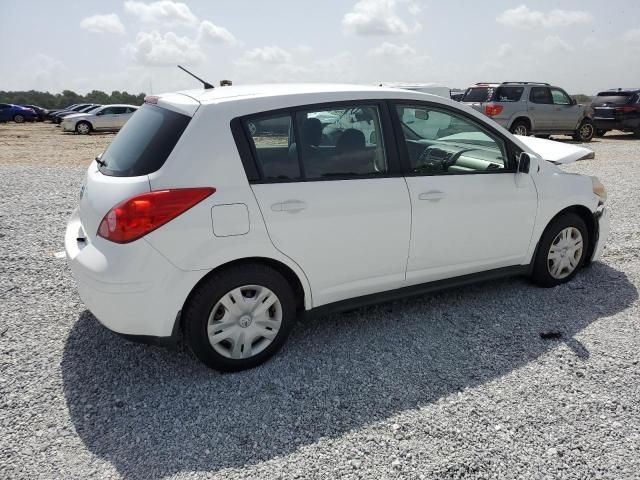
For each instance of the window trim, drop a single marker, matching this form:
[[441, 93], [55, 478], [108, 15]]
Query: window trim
[[510, 147], [249, 158]]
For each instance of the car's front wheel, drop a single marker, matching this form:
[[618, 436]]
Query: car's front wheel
[[83, 128], [240, 317], [18, 118], [562, 251], [585, 131]]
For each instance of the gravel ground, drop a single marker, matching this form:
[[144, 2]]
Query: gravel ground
[[448, 386]]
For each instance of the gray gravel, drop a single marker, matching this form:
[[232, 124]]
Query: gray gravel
[[454, 385]]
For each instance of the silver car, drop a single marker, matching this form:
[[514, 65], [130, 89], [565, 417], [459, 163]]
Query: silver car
[[105, 118], [527, 108]]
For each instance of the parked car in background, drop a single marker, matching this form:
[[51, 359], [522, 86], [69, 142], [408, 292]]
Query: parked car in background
[[57, 117], [526, 108], [40, 112], [107, 117], [617, 109], [61, 115], [189, 222], [51, 112], [16, 113]]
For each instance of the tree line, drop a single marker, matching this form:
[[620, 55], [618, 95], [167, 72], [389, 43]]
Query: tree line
[[68, 97]]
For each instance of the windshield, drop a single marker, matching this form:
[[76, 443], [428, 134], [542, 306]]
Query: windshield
[[478, 94], [144, 143]]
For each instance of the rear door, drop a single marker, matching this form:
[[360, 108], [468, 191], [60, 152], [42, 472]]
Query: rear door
[[567, 114], [541, 108], [332, 197]]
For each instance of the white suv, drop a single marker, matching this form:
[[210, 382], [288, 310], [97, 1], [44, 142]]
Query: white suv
[[192, 222]]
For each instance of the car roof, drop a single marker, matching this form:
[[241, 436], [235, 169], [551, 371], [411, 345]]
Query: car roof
[[324, 92], [616, 90]]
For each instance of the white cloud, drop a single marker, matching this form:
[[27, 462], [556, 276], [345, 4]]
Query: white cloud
[[632, 36], [109, 23], [153, 48], [265, 55], [215, 33], [163, 11], [553, 43], [524, 17], [505, 50], [378, 17], [388, 49]]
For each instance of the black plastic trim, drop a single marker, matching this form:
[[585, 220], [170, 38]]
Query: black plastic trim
[[421, 289]]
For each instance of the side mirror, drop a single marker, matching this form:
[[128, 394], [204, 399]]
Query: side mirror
[[574, 101], [523, 163], [99, 113], [373, 138]]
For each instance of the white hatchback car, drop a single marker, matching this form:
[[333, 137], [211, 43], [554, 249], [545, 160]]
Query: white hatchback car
[[190, 223], [106, 118]]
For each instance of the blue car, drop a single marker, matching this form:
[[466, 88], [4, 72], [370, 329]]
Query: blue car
[[16, 113]]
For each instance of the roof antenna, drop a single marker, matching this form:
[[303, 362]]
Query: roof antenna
[[207, 85]]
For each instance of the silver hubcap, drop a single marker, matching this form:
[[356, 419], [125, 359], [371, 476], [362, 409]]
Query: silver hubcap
[[83, 128], [565, 253], [521, 130], [19, 119], [586, 131], [244, 321]]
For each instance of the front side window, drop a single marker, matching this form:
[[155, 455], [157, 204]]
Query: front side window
[[106, 111], [559, 97], [540, 95], [340, 142], [440, 142]]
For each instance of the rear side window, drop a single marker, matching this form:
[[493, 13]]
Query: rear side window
[[508, 94], [540, 95], [275, 153], [144, 143], [478, 94]]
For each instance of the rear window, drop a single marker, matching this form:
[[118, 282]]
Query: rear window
[[618, 98], [478, 94], [144, 143]]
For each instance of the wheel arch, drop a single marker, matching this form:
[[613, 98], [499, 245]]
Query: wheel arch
[[301, 295], [587, 216], [78, 122], [524, 118]]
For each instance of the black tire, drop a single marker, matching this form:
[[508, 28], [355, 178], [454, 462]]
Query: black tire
[[205, 297], [541, 274], [18, 118], [600, 132], [83, 128], [585, 131], [636, 133], [520, 126], [546, 137]]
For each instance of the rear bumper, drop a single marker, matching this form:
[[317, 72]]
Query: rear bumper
[[614, 124], [131, 289], [602, 217]]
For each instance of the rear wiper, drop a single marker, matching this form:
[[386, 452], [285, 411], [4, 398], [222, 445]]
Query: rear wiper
[[100, 162]]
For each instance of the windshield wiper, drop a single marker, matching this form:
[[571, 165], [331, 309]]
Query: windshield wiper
[[99, 161]]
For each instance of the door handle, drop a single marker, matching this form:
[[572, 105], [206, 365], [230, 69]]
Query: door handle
[[289, 206], [432, 196]]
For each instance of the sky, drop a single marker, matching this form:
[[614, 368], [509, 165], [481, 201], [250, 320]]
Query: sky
[[583, 46]]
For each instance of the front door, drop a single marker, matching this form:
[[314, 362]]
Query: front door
[[567, 113], [105, 119], [329, 201], [471, 210]]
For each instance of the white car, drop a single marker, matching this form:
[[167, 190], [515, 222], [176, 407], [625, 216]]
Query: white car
[[190, 223], [105, 118]]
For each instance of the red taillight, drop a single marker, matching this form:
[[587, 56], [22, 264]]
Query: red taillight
[[140, 215], [153, 99], [492, 109], [626, 109]]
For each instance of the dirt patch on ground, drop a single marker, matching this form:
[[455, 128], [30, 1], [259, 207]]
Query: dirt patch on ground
[[46, 144]]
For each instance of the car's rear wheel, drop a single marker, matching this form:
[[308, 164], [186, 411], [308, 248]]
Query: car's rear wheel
[[546, 137], [18, 118], [239, 318], [520, 128], [585, 131], [600, 132], [561, 251], [636, 132], [83, 128]]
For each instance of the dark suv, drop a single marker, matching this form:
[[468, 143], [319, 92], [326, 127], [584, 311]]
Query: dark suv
[[617, 109], [526, 108]]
